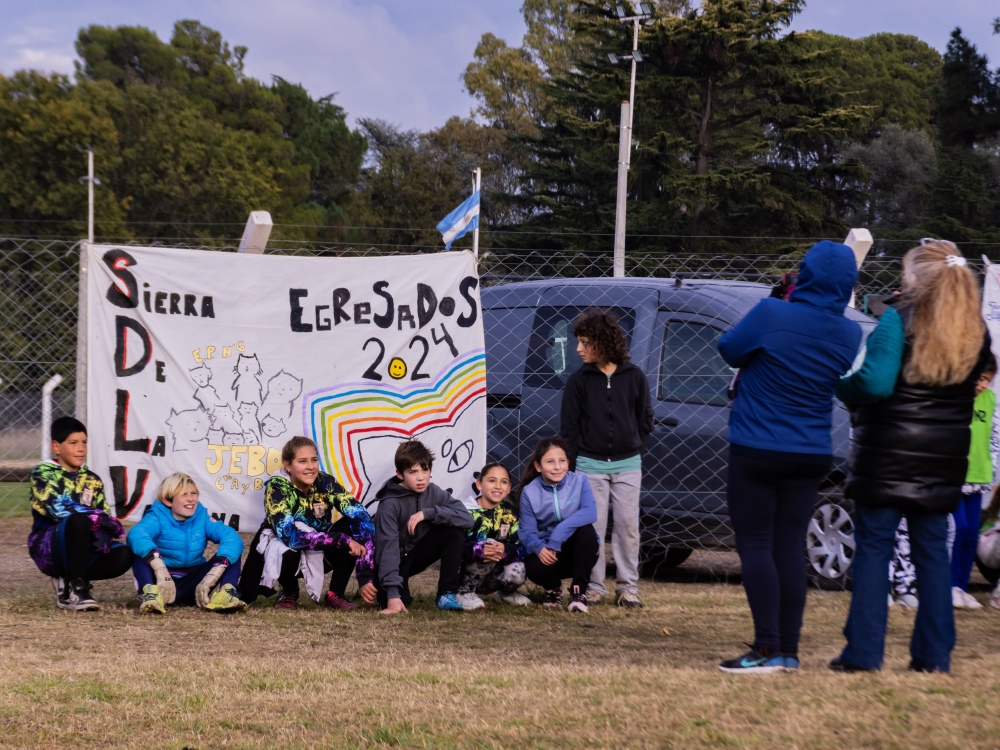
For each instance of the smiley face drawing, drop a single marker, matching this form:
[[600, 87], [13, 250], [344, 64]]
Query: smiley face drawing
[[397, 368]]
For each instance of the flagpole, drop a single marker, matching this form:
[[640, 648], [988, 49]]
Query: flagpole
[[475, 232]]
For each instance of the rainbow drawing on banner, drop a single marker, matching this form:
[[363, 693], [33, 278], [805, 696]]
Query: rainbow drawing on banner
[[340, 417]]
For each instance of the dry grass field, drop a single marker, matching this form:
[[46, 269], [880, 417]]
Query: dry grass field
[[499, 678]]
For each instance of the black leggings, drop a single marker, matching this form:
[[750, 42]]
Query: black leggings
[[82, 561], [770, 504], [576, 558], [340, 561]]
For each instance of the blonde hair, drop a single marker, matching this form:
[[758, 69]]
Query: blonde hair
[[945, 324], [173, 485]]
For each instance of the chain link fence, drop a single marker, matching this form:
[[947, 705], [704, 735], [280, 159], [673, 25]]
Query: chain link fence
[[672, 306]]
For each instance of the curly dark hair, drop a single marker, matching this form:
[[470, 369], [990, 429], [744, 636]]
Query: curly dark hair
[[601, 329]]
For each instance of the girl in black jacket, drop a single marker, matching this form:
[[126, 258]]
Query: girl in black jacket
[[606, 417], [913, 398]]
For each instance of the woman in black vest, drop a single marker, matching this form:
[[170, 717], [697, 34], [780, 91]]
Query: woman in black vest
[[912, 399]]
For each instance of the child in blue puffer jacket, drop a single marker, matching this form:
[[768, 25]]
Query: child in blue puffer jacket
[[556, 520], [169, 545]]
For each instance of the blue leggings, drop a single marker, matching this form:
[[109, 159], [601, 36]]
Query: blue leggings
[[185, 579], [963, 550]]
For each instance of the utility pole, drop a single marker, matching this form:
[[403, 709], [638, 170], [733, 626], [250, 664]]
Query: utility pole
[[625, 140], [91, 181]]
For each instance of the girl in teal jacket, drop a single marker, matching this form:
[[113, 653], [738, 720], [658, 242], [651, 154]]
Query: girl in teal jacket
[[169, 546]]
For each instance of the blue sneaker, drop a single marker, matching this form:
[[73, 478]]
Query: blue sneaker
[[449, 602], [754, 662], [791, 663]]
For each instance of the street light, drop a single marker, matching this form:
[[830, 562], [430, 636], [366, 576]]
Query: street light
[[645, 13], [91, 181]]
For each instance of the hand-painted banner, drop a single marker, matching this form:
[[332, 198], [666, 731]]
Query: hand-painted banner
[[208, 362], [991, 314]]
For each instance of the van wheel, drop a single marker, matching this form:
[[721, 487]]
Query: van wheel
[[830, 544], [660, 559]]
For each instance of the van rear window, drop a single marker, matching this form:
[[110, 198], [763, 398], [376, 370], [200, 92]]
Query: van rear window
[[552, 356]]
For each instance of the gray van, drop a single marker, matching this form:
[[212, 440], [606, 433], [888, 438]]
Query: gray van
[[673, 326]]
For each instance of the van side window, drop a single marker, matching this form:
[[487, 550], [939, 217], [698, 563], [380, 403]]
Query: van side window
[[691, 369], [552, 356]]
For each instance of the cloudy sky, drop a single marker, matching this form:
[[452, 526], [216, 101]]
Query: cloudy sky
[[401, 60]]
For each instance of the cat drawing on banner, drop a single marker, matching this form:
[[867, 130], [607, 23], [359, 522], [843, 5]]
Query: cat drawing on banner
[[247, 384], [188, 427], [282, 390], [249, 423], [226, 428], [205, 394]]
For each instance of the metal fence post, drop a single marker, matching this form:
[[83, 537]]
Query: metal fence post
[[81, 335], [50, 385]]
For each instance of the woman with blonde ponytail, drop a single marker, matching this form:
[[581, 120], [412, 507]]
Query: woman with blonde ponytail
[[911, 402]]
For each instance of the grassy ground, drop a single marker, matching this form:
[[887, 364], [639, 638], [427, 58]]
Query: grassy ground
[[14, 501], [498, 678]]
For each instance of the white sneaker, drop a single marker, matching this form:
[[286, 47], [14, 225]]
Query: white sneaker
[[970, 601], [909, 601], [470, 601], [516, 599], [962, 600]]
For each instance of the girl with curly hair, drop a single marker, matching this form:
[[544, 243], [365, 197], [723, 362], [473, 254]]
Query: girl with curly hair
[[606, 417]]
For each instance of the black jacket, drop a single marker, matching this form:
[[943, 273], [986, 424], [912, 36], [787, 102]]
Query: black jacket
[[911, 451], [396, 504], [606, 419]]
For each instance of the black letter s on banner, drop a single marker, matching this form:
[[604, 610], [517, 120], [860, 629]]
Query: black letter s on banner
[[118, 262]]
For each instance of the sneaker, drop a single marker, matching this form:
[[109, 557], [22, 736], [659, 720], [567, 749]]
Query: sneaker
[[995, 598], [336, 601], [470, 601], [76, 597], [630, 600], [226, 601], [552, 598], [962, 600], [287, 601], [594, 597], [150, 601], [791, 663], [577, 601], [515, 599], [449, 602], [754, 662], [909, 601]]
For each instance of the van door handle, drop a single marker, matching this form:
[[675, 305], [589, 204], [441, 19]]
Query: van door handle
[[665, 421]]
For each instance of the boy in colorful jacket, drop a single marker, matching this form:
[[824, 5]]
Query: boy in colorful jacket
[[74, 537], [169, 545]]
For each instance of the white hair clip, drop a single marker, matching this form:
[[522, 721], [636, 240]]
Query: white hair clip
[[955, 260]]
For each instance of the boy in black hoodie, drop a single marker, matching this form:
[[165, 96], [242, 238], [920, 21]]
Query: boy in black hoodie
[[416, 524]]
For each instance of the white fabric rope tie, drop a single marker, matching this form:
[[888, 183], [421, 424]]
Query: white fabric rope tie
[[955, 260]]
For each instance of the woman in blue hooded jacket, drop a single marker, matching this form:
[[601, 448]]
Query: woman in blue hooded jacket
[[169, 546], [556, 518], [791, 354]]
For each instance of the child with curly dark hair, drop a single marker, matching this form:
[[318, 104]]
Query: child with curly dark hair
[[606, 417]]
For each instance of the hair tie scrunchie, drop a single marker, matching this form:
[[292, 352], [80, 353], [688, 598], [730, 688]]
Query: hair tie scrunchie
[[955, 260]]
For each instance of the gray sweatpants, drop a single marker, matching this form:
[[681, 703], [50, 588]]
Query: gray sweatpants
[[621, 491]]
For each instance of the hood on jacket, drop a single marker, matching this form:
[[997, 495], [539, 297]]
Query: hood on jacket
[[394, 487], [827, 276], [166, 516]]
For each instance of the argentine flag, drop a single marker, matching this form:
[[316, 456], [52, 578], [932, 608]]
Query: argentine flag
[[460, 221]]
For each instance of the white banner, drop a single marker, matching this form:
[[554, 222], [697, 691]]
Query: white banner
[[208, 362], [991, 314]]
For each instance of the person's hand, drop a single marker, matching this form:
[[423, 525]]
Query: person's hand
[[204, 590], [165, 584], [368, 593], [493, 551], [394, 607], [411, 525], [547, 556], [355, 548]]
